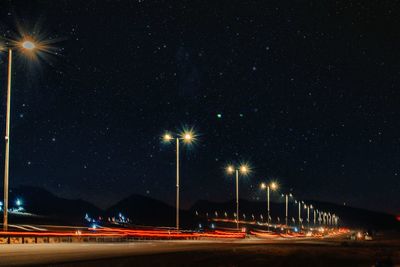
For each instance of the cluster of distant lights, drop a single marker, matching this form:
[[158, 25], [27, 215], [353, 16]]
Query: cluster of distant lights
[[120, 219], [18, 203]]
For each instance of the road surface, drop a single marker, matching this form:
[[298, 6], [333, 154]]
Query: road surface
[[248, 252]]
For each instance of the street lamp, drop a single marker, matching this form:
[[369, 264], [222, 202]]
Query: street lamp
[[187, 136], [307, 207], [287, 207], [300, 219], [26, 45], [313, 210], [271, 186], [244, 169]]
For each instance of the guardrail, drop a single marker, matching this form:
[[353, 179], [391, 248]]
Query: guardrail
[[110, 235]]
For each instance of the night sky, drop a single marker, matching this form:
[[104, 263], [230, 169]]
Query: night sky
[[306, 91]]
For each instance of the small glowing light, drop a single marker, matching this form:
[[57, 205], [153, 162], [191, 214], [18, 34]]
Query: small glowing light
[[18, 202], [230, 169], [188, 135], [274, 186], [28, 45], [263, 186], [359, 235], [167, 137], [244, 169]]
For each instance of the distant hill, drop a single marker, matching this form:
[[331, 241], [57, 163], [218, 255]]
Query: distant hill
[[143, 210], [45, 204]]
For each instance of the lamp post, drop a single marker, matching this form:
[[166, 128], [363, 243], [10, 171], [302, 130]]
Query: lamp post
[[307, 207], [299, 214], [187, 137], [272, 186], [314, 217], [28, 46], [287, 207], [244, 170]]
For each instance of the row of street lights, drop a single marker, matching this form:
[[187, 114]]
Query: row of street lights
[[187, 136], [243, 169]]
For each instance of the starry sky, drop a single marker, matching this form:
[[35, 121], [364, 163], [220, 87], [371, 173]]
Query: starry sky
[[306, 91]]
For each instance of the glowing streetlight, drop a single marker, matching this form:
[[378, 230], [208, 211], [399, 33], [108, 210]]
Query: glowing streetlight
[[167, 137], [187, 136], [244, 169], [28, 46], [230, 169], [271, 186]]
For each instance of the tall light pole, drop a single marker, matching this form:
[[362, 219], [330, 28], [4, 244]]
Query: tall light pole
[[272, 186], [314, 213], [29, 46], [187, 137], [244, 170], [287, 207], [308, 215], [299, 202]]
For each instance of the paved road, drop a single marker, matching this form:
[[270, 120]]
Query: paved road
[[192, 253]]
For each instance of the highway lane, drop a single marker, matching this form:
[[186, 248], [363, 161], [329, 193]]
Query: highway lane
[[25, 254], [96, 254], [28, 254]]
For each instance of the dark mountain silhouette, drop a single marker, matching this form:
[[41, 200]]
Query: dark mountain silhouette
[[49, 207], [142, 210]]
